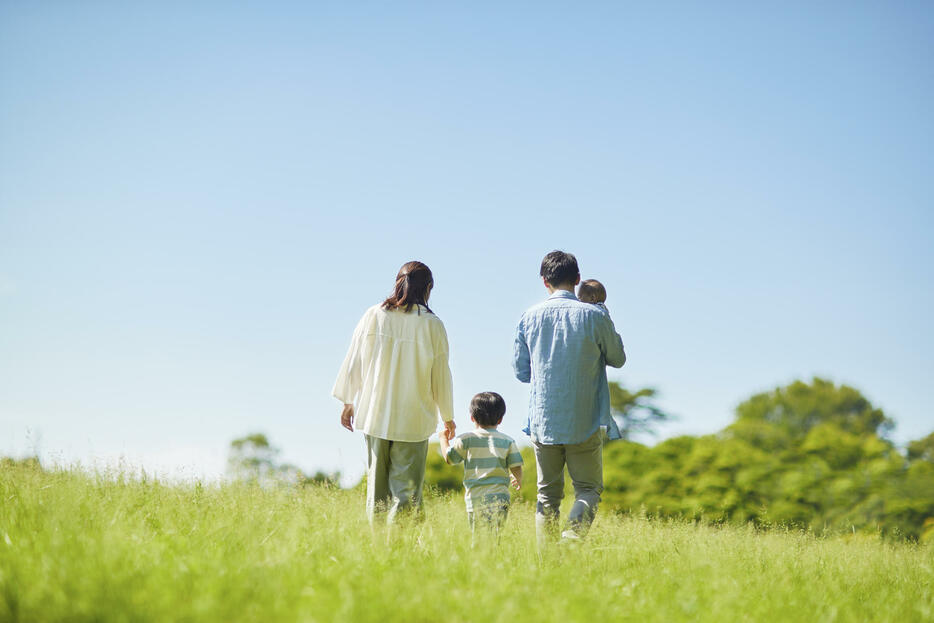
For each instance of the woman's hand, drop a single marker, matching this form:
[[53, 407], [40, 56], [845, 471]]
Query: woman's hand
[[347, 417], [448, 431]]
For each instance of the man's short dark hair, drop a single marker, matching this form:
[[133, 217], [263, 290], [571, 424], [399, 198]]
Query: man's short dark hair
[[560, 269], [487, 408]]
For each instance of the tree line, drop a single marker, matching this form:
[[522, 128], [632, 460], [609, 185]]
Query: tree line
[[811, 455]]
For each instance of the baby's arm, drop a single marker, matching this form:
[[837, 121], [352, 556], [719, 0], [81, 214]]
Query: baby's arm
[[516, 477]]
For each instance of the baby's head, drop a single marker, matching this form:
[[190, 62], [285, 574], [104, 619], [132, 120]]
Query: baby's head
[[487, 409], [591, 291]]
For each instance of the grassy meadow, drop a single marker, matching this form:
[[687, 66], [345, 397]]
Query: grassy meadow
[[80, 547]]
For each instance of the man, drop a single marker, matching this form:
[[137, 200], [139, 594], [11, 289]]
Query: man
[[562, 348]]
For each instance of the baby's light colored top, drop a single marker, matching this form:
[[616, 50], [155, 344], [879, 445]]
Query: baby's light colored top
[[396, 372]]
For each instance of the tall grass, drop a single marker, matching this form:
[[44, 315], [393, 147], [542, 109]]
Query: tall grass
[[78, 547]]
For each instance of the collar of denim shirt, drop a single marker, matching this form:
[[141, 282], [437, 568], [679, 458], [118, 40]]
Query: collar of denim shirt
[[562, 294]]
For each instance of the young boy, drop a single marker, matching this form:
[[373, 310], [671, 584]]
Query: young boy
[[491, 460]]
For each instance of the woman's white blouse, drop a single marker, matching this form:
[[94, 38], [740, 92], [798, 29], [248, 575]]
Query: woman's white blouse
[[397, 375]]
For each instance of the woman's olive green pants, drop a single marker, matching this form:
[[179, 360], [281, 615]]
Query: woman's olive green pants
[[394, 476]]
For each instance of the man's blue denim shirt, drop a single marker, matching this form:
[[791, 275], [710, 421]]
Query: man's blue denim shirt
[[562, 348]]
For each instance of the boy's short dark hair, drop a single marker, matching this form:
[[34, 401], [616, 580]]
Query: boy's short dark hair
[[487, 408], [560, 269], [591, 291]]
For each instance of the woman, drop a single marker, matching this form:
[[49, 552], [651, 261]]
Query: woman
[[397, 372]]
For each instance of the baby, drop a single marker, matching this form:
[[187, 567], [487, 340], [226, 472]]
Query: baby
[[592, 291], [491, 460]]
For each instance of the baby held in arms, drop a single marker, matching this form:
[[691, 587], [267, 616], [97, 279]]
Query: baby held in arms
[[592, 291]]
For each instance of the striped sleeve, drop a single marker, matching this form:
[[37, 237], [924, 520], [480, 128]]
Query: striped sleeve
[[455, 451], [515, 457]]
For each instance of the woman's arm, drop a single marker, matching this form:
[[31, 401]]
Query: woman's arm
[[442, 384], [350, 377], [347, 417]]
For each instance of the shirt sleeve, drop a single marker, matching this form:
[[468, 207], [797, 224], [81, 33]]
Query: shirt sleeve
[[455, 453], [611, 344], [442, 385], [350, 378], [521, 359], [515, 457]]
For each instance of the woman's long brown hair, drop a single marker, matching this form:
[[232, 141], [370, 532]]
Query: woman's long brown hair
[[412, 285]]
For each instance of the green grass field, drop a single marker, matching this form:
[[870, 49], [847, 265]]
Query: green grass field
[[75, 547]]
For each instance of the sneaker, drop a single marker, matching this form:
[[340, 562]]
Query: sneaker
[[569, 536]]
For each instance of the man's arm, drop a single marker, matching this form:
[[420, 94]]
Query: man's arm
[[610, 342], [521, 358]]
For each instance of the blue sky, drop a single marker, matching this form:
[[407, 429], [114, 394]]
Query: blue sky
[[197, 204]]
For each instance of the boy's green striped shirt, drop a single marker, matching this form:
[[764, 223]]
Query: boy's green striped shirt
[[487, 455]]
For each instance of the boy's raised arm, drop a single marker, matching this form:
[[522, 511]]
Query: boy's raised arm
[[444, 444], [449, 450], [516, 476], [514, 461]]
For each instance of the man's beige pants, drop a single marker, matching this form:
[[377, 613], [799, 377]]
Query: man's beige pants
[[585, 466]]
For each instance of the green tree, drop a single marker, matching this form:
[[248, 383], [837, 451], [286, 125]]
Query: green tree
[[811, 455], [327, 479], [254, 459], [635, 412], [800, 406], [922, 449], [26, 463]]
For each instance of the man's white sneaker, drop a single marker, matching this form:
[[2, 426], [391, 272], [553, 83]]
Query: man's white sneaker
[[569, 536]]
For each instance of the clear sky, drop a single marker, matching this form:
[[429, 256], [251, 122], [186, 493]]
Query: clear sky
[[198, 203]]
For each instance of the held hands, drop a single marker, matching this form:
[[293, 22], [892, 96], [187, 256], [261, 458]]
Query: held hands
[[445, 435], [515, 477], [347, 417]]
